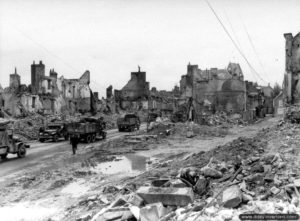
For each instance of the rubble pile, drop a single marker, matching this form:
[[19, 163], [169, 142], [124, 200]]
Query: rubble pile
[[184, 129], [238, 177], [292, 114], [161, 127], [110, 119], [222, 118], [29, 126], [164, 127]]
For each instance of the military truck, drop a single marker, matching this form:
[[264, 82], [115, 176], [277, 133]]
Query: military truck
[[129, 122], [87, 129], [152, 116], [9, 143], [53, 131], [179, 116]]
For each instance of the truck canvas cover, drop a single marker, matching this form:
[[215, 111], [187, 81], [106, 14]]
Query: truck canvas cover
[[4, 140], [82, 128]]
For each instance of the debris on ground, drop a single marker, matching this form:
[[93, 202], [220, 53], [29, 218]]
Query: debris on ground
[[223, 183], [246, 174]]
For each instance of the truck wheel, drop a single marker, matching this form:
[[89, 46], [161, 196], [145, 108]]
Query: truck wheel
[[21, 151], [88, 138], [93, 137], [4, 156], [55, 138], [120, 130], [42, 140]]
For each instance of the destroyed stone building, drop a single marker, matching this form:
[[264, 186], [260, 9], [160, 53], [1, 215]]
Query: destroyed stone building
[[254, 95], [47, 94], [208, 91], [215, 89], [278, 105], [291, 85], [268, 94], [136, 95]]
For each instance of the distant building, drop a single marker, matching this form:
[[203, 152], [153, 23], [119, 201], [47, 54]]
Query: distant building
[[136, 95], [14, 80], [214, 89], [279, 105], [268, 94], [47, 94]]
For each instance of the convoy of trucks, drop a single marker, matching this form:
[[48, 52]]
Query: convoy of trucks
[[87, 129]]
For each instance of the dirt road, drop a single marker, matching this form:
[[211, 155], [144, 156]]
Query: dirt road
[[55, 180], [41, 152]]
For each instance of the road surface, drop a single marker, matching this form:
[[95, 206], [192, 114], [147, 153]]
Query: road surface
[[39, 152]]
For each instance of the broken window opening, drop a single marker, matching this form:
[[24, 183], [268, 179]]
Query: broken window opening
[[49, 84], [33, 102]]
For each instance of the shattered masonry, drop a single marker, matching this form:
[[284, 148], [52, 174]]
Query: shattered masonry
[[136, 95], [47, 94], [291, 82], [200, 92], [223, 90]]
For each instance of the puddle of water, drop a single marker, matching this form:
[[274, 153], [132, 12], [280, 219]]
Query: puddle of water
[[25, 212], [76, 189], [125, 164]]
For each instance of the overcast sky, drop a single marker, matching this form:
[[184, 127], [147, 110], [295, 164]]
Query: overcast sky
[[110, 38]]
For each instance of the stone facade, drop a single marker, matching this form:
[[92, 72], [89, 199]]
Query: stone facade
[[48, 94], [214, 89], [268, 94], [37, 76], [14, 80], [137, 87], [136, 95], [292, 69], [278, 105]]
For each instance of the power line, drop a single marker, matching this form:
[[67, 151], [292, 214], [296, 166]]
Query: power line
[[235, 36], [45, 49], [254, 48], [232, 40], [51, 53], [232, 29]]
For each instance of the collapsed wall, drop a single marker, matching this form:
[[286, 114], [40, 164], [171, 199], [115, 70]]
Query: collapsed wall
[[47, 94], [291, 85]]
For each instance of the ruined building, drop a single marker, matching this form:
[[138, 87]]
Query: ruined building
[[14, 80], [291, 85], [214, 89], [47, 94], [136, 95], [136, 88], [208, 91]]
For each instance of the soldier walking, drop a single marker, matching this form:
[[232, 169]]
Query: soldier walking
[[74, 141]]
